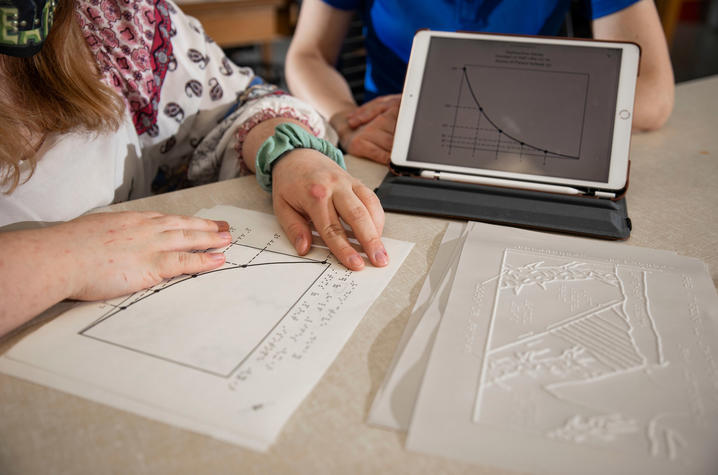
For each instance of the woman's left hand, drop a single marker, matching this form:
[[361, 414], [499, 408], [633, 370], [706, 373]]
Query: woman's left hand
[[308, 186]]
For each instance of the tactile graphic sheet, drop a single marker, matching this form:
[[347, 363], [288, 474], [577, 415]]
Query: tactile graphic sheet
[[582, 356], [576, 349]]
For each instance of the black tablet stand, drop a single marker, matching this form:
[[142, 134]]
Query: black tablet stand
[[581, 215]]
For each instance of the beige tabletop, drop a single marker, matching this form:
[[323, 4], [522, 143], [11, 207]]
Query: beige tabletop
[[672, 201]]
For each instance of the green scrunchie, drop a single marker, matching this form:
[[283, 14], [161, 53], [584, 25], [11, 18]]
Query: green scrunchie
[[286, 138]]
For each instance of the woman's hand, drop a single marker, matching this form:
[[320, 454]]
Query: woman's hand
[[368, 131], [120, 253], [100, 256], [368, 111], [308, 186]]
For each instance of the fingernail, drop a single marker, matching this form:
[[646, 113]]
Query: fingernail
[[356, 261], [216, 256], [225, 236], [222, 226], [381, 257], [299, 243]]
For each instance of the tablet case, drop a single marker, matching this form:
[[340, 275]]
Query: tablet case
[[582, 215]]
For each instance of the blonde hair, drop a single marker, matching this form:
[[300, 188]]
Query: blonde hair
[[57, 90]]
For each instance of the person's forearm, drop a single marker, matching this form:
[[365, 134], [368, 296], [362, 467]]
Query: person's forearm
[[654, 101], [310, 78], [655, 88], [100, 256], [33, 276]]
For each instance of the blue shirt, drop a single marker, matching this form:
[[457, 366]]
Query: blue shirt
[[389, 27]]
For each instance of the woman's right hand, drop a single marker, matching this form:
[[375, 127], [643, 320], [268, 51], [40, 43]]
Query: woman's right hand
[[101, 256], [119, 253]]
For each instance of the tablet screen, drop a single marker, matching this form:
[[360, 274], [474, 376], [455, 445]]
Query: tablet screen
[[532, 108]]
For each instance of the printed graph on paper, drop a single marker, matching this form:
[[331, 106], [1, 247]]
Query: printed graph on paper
[[180, 321], [230, 352], [515, 114]]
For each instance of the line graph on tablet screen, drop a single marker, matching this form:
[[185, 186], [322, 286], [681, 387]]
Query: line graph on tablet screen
[[515, 113]]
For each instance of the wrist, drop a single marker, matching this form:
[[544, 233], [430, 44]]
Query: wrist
[[339, 122], [72, 260], [288, 137]]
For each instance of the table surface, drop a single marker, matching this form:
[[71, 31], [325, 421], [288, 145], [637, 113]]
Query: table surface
[[672, 201]]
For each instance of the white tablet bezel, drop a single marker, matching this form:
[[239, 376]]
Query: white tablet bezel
[[623, 114]]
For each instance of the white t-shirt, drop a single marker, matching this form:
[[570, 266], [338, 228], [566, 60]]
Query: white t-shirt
[[77, 172]]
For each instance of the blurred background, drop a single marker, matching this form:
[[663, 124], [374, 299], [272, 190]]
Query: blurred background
[[256, 33]]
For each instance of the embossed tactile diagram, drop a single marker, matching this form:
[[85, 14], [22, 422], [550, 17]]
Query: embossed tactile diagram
[[584, 356]]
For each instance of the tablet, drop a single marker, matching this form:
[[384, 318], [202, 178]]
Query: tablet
[[550, 114]]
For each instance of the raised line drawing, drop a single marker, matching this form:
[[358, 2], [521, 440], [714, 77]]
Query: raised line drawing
[[589, 325]]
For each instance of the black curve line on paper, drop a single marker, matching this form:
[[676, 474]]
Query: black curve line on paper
[[150, 292], [206, 371], [500, 130]]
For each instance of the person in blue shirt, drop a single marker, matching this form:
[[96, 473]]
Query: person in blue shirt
[[367, 130]]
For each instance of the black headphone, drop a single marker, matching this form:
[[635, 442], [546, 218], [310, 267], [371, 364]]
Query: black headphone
[[24, 25]]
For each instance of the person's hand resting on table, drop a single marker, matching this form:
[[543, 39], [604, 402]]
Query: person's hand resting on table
[[368, 130], [101, 256], [307, 186]]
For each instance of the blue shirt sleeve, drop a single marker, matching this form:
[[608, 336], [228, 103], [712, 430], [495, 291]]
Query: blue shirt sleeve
[[344, 4], [601, 8]]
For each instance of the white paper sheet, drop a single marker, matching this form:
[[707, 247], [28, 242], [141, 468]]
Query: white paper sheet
[[230, 353], [567, 355], [394, 401]]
